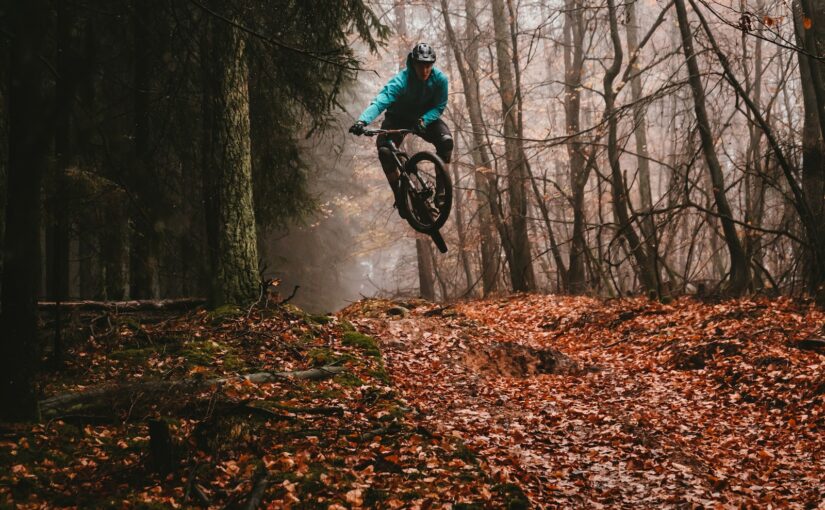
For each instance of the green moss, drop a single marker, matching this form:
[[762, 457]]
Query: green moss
[[223, 313], [129, 322], [196, 353], [202, 352], [347, 326], [321, 356], [133, 355], [347, 379], [363, 342], [380, 374], [514, 497], [321, 319], [233, 363]]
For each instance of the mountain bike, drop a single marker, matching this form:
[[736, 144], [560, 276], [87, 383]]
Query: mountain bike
[[426, 192]]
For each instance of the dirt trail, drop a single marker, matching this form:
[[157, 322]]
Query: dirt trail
[[629, 404]]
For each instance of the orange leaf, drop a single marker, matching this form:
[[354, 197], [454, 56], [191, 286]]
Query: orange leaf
[[768, 21], [807, 23]]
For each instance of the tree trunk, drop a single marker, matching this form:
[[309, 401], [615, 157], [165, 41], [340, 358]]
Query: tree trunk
[[227, 178], [58, 269], [458, 208], [740, 277], [521, 265], [423, 256], [143, 272], [754, 183], [573, 65], [114, 248], [442, 283], [28, 143], [811, 223], [640, 134], [488, 215], [644, 266], [59, 219], [811, 72], [426, 284]]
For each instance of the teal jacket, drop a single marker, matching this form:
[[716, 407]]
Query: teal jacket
[[408, 98]]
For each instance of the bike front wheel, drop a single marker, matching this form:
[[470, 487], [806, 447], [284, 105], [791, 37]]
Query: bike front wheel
[[427, 192]]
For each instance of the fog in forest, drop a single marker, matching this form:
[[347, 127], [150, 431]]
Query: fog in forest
[[355, 245], [649, 147]]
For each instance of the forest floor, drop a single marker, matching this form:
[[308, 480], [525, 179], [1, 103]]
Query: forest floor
[[516, 402]]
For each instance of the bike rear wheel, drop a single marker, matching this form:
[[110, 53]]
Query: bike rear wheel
[[427, 192]]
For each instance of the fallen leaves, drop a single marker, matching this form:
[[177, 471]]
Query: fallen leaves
[[686, 404], [344, 442], [680, 404]]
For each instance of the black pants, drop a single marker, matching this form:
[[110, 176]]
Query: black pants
[[437, 133]]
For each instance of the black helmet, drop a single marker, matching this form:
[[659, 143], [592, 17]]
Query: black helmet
[[423, 52]]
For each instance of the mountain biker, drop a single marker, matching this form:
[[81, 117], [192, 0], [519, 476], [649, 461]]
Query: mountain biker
[[414, 99]]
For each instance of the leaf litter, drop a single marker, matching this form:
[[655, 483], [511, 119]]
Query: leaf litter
[[514, 402], [689, 404]]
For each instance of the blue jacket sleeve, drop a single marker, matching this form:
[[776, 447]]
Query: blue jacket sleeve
[[385, 98], [441, 103]]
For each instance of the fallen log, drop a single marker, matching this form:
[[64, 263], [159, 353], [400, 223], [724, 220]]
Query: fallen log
[[124, 306], [53, 404]]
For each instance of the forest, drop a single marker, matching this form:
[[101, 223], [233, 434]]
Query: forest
[[208, 298]]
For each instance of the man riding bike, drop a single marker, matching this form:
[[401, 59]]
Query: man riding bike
[[414, 99]]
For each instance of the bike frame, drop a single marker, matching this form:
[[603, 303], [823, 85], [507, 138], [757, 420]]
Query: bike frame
[[390, 143], [405, 176]]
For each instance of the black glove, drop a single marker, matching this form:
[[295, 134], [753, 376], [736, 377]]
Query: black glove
[[419, 128], [358, 128]]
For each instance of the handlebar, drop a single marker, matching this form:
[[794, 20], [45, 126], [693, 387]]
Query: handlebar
[[373, 132]]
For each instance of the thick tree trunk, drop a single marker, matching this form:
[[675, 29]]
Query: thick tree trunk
[[812, 74], [59, 217], [488, 215], [28, 142], [227, 178], [521, 265], [740, 276]]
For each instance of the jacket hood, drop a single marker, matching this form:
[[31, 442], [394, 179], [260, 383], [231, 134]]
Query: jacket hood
[[411, 75]]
